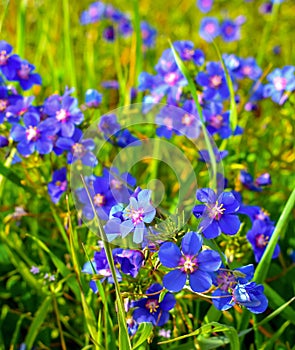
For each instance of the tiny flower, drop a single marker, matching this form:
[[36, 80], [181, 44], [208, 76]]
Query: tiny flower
[[93, 98], [58, 185], [259, 237], [229, 30], [204, 5], [109, 33], [165, 333], [138, 213], [35, 270], [148, 35], [25, 75], [188, 262], [209, 28], [151, 310], [219, 214], [130, 260], [8, 63], [94, 13]]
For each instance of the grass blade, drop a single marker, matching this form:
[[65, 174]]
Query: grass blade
[[144, 331]]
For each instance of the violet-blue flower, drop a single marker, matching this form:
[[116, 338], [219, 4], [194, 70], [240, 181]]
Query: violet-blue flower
[[218, 214], [58, 185], [25, 75], [188, 262], [209, 28], [9, 63]]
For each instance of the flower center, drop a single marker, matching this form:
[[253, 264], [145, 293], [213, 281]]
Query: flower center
[[3, 105], [32, 133], [152, 305], [188, 54], [189, 264], [99, 200], [144, 34], [215, 81], [171, 78], [261, 240], [116, 184], [247, 70], [168, 123], [187, 119], [216, 211], [3, 57], [229, 30], [216, 121], [24, 72], [210, 28], [78, 150], [280, 83], [61, 184], [136, 215], [62, 115], [226, 281]]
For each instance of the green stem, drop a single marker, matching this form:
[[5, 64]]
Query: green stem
[[20, 31], [123, 332]]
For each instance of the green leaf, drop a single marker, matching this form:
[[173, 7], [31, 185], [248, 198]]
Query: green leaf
[[229, 331], [37, 322], [263, 265], [144, 331]]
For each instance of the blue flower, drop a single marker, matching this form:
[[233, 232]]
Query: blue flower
[[219, 214], [93, 98], [213, 82], [25, 75], [64, 112], [138, 213], [94, 13], [34, 136], [3, 141], [58, 185], [188, 262], [248, 181], [109, 33], [7, 99], [280, 81], [226, 280], [249, 69], [18, 107], [148, 34], [151, 310], [259, 237], [217, 121], [204, 5], [251, 296], [209, 28], [130, 260], [218, 155], [8, 63], [78, 149], [229, 30], [187, 52]]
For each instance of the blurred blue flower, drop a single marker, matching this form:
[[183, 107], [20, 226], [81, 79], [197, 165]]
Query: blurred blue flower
[[58, 185], [25, 75], [8, 63], [93, 98], [204, 5], [230, 30], [209, 28]]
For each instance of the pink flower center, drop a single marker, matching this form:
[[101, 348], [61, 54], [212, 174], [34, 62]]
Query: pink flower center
[[216, 211], [261, 240], [189, 264], [171, 78], [116, 184], [144, 34], [99, 200], [280, 83], [168, 123], [32, 133], [78, 150], [93, 12], [229, 30], [3, 105], [152, 305], [226, 281], [62, 115], [247, 70], [24, 72], [61, 184], [188, 54], [187, 119], [210, 28], [136, 215], [3, 57], [216, 121], [215, 81]]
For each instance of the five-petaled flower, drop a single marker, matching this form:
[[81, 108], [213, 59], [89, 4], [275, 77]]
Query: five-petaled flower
[[188, 262]]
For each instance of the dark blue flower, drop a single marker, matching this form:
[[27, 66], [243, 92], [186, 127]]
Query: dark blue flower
[[189, 262], [229, 30], [248, 181], [259, 237], [19, 107], [58, 185], [217, 121], [64, 112], [218, 155], [151, 310], [187, 52], [219, 214], [251, 296], [148, 34], [213, 82], [209, 28], [7, 99], [226, 280], [130, 260], [3, 141], [34, 136], [109, 33], [280, 81]]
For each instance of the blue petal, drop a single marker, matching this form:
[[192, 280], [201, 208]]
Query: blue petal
[[223, 303], [67, 129], [168, 302], [191, 243], [212, 231], [209, 260], [206, 195], [149, 216], [229, 224], [144, 196], [138, 233], [200, 281], [174, 280], [126, 227], [169, 254], [18, 133], [229, 202], [199, 210]]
